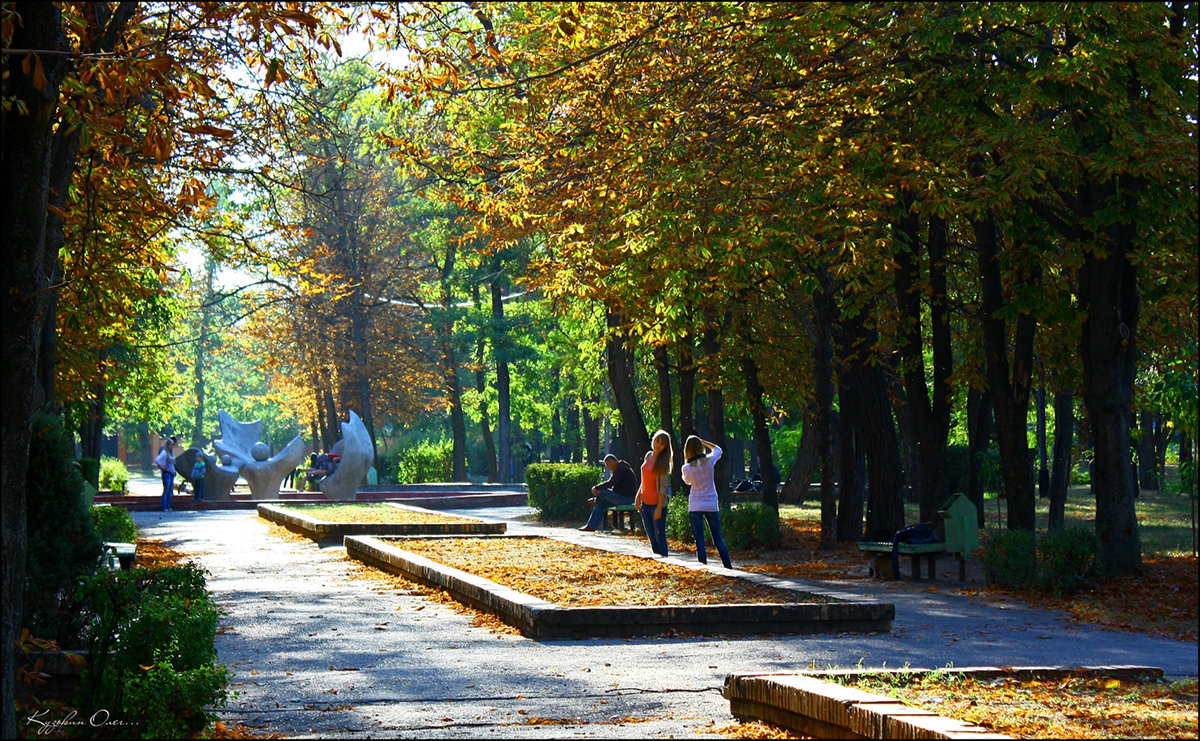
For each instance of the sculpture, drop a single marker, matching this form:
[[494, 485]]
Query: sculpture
[[242, 442], [357, 457], [219, 478]]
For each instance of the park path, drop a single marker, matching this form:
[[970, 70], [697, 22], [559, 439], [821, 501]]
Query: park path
[[322, 656]]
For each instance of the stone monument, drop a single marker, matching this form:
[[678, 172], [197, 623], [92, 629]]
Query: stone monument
[[250, 456], [357, 457]]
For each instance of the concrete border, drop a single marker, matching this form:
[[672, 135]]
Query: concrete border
[[538, 618], [808, 704], [323, 532]]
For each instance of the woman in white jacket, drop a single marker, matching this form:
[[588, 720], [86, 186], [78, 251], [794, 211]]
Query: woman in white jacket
[[698, 472]]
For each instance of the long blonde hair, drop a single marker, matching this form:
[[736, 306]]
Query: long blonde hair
[[693, 448], [664, 460]]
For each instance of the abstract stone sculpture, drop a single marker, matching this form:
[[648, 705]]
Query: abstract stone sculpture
[[357, 457], [218, 479], [242, 442]]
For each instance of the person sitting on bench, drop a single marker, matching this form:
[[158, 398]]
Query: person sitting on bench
[[620, 488]]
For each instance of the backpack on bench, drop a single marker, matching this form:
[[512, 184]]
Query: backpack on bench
[[925, 532]]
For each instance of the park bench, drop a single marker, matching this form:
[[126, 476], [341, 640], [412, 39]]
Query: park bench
[[125, 553], [618, 513], [960, 537]]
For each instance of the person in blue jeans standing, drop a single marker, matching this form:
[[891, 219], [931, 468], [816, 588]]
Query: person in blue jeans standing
[[701, 457], [165, 461], [651, 499]]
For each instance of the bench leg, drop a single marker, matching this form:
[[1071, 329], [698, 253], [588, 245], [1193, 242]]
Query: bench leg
[[932, 567]]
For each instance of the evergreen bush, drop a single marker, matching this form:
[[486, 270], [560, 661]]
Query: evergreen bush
[[114, 524], [1010, 558], [679, 525], [114, 476], [559, 491], [90, 469], [1066, 558], [62, 546], [153, 652], [426, 462], [751, 524]]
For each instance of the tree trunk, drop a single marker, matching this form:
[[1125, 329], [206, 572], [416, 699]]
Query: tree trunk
[[865, 379], [716, 416], [852, 478], [1010, 395], [202, 344], [1043, 471], [979, 436], [687, 390], [1109, 294], [481, 387], [331, 418], [824, 423], [762, 433], [1060, 467], [808, 456], [662, 371], [503, 385], [1147, 465], [26, 167], [620, 378]]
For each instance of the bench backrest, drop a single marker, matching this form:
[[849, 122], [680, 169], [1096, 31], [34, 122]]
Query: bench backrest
[[961, 522]]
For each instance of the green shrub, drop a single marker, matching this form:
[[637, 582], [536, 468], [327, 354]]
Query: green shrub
[[679, 526], [114, 524], [751, 524], [153, 650], [388, 464], [113, 475], [62, 546], [1010, 558], [90, 468], [559, 491], [425, 462], [1066, 558]]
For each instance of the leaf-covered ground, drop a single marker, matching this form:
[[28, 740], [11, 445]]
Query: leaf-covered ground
[[375, 513], [1039, 710], [1075, 707], [575, 576]]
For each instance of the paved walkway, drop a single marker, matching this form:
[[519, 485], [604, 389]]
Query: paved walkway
[[319, 655]]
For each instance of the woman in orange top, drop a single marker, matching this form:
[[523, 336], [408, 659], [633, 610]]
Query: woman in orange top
[[651, 499]]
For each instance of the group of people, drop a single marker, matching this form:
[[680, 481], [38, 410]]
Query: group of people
[[165, 462], [649, 492], [320, 466]]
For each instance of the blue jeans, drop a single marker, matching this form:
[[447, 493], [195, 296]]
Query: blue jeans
[[656, 530], [168, 486], [199, 486], [604, 500], [714, 526]]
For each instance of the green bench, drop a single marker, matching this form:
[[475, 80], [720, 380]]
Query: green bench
[[618, 513], [124, 553], [960, 537]]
